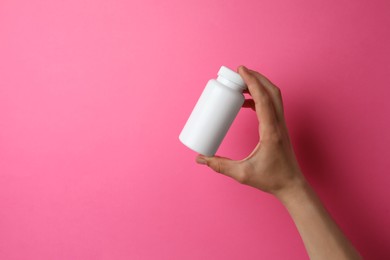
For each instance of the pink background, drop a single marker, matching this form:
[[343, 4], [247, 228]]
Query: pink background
[[94, 93]]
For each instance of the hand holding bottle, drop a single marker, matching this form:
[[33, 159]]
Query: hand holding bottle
[[271, 166]]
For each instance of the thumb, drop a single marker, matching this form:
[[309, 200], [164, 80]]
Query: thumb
[[219, 164]]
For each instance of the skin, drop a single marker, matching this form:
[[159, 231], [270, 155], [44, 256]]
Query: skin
[[272, 167]]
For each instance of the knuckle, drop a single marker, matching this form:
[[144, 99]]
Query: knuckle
[[219, 167], [256, 74], [216, 166], [252, 80], [243, 176], [277, 91]]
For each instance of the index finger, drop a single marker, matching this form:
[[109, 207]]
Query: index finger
[[265, 109]]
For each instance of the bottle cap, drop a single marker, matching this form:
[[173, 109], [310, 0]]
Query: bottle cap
[[231, 76]]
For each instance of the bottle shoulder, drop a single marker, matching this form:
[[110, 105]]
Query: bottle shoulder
[[215, 83]]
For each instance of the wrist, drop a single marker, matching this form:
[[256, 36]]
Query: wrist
[[294, 191]]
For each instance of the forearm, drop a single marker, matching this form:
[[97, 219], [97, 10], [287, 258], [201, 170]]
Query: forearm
[[322, 237]]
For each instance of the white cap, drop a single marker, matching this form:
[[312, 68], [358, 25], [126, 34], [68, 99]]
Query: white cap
[[231, 76]]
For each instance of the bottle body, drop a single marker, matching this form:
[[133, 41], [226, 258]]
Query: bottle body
[[211, 117]]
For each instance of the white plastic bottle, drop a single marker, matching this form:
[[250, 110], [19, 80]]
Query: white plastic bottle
[[214, 113]]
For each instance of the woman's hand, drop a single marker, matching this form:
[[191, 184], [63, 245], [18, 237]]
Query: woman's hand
[[272, 166]]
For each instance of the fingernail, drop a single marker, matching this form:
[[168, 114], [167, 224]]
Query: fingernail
[[245, 68], [201, 160]]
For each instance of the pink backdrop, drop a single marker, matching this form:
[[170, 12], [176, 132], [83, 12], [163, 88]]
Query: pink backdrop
[[94, 93]]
